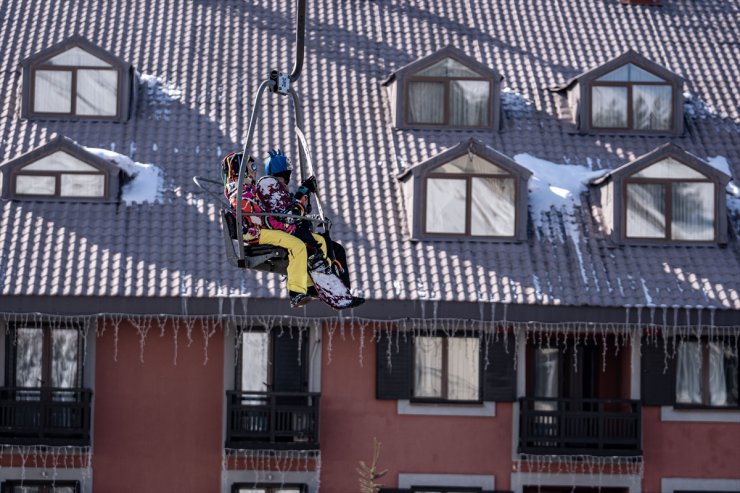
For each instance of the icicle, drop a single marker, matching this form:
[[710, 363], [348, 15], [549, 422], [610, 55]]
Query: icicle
[[175, 330], [207, 334], [329, 344], [363, 324]]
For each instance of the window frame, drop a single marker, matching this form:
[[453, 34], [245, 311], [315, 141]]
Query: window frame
[[113, 176], [126, 81], [32, 113], [445, 372], [706, 403], [446, 489], [667, 184], [46, 358], [58, 184], [446, 81], [271, 487], [580, 101], [468, 177], [629, 85], [46, 486]]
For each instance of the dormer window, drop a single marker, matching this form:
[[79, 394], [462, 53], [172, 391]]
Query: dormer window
[[469, 191], [667, 195], [629, 94], [60, 170], [669, 200], [631, 98], [445, 90], [76, 80]]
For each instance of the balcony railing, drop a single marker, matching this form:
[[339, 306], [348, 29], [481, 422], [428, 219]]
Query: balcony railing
[[272, 420], [45, 416], [580, 426]]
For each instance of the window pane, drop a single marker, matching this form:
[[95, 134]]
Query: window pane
[[445, 206], [493, 210], [59, 161], [97, 92], [426, 102], [469, 102], [52, 91], [693, 211], [448, 68], [470, 163], [77, 57], [688, 373], [463, 354], [83, 186], [609, 107], [428, 367], [652, 107], [630, 73], [255, 362], [26, 489], [35, 185], [546, 377], [65, 350], [722, 375], [29, 357], [645, 210], [669, 168]]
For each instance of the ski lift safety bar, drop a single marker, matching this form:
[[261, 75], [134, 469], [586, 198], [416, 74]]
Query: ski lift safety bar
[[199, 181]]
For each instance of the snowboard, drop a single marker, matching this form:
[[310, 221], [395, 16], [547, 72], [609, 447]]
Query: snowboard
[[332, 291]]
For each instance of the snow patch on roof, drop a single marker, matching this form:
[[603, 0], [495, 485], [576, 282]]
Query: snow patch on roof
[[160, 94], [147, 180], [555, 186], [514, 101]]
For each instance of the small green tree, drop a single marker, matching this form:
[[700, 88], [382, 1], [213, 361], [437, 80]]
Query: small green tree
[[368, 475]]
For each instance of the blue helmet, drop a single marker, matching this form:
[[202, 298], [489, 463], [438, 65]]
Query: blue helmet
[[276, 163]]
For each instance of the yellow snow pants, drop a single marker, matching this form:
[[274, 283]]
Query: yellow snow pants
[[298, 279]]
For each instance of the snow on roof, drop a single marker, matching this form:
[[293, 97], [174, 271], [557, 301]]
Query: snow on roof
[[147, 180], [554, 185]]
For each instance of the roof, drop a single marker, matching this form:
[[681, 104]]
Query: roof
[[200, 70]]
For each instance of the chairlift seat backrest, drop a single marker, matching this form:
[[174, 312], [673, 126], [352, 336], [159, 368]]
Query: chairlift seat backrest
[[267, 258]]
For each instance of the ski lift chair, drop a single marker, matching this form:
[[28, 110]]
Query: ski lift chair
[[269, 258]]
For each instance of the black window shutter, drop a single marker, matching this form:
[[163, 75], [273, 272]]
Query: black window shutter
[[658, 387], [393, 382], [289, 364], [499, 377]]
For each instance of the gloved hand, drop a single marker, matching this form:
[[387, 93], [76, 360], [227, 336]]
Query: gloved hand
[[309, 184]]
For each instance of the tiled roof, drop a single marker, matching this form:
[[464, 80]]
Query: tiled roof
[[200, 64]]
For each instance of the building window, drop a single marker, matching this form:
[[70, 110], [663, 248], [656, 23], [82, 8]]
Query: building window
[[60, 175], [447, 89], [669, 200], [631, 98], [437, 368], [41, 357], [75, 82], [30, 486], [61, 169], [706, 374], [449, 93], [470, 196], [251, 488], [446, 368]]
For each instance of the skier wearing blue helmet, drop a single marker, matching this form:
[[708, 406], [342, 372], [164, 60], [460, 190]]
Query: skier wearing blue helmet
[[273, 194]]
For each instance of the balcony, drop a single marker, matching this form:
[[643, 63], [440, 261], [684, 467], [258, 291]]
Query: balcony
[[45, 416], [601, 427], [272, 420]]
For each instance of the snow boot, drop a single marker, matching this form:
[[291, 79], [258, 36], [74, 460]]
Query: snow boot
[[298, 299]]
